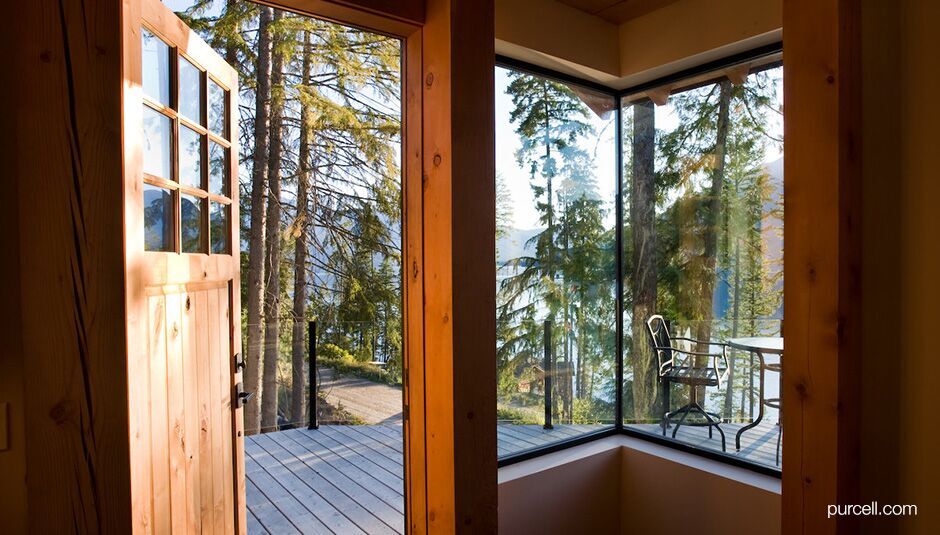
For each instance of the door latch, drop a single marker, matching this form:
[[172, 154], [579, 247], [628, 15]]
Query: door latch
[[239, 362], [242, 397]]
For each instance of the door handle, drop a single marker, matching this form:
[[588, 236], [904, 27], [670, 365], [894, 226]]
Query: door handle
[[239, 362], [242, 397]]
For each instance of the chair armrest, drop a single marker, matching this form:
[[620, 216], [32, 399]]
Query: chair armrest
[[693, 340], [693, 353]]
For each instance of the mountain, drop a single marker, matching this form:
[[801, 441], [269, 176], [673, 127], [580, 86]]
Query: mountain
[[513, 244]]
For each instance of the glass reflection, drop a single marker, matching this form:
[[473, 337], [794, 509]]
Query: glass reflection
[[158, 143], [190, 157], [218, 169], [158, 219], [155, 59], [190, 105], [703, 247], [555, 264], [218, 227], [191, 223], [217, 115]]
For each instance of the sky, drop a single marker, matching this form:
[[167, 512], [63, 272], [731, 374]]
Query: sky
[[601, 146]]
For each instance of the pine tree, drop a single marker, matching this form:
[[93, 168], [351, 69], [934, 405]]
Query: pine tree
[[256, 239], [299, 230], [642, 217]]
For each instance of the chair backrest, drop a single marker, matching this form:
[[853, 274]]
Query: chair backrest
[[660, 343]]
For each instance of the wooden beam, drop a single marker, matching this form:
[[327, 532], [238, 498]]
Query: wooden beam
[[460, 287], [822, 274], [68, 168], [400, 19]]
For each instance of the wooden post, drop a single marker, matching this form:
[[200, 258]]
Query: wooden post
[[459, 286], [312, 416], [549, 373], [822, 296]]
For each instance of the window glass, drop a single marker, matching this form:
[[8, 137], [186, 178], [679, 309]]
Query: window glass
[[155, 62], [190, 105], [218, 169], [218, 118], [157, 143], [191, 209], [190, 157], [218, 227], [555, 264], [703, 248], [158, 219]]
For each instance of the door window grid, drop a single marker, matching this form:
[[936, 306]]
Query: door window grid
[[214, 187]]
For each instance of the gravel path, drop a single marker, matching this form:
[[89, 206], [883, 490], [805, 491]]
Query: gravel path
[[374, 403]]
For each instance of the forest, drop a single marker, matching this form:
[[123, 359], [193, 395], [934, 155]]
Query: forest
[[701, 240], [320, 197], [320, 193]]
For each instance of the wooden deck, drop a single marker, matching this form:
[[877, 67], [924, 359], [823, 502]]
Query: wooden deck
[[348, 479]]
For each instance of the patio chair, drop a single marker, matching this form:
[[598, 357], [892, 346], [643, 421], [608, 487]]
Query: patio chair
[[677, 365]]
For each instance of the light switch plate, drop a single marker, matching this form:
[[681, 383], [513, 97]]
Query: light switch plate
[[4, 426]]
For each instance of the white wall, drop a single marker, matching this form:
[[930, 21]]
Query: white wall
[[623, 485]]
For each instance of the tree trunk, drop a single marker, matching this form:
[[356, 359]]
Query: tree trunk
[[272, 286], [643, 224], [259, 179], [712, 213], [301, 223]]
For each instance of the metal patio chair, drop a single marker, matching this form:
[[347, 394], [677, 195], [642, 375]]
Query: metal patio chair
[[677, 365]]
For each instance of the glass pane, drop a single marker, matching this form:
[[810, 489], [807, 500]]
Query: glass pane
[[555, 263], [190, 157], [703, 248], [158, 143], [218, 227], [217, 116], [190, 91], [218, 169], [158, 219], [191, 223], [155, 59]]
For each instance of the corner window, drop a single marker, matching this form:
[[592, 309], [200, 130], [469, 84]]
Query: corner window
[[703, 251], [641, 292], [555, 261]]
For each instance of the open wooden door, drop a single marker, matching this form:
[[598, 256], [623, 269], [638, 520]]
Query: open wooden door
[[182, 277]]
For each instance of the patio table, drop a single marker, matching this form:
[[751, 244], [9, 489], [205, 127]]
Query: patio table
[[760, 345]]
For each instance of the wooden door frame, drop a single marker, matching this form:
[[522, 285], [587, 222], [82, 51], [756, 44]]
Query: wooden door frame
[[448, 155]]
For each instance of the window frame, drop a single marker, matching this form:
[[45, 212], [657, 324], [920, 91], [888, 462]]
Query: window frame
[[177, 121], [695, 76]]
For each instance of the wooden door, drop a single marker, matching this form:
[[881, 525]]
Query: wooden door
[[182, 277]]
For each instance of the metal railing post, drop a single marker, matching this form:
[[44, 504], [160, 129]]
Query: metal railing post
[[314, 421], [549, 373]]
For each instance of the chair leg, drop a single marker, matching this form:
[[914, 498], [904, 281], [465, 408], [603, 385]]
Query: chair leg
[[779, 436], [685, 413], [712, 423], [665, 408]]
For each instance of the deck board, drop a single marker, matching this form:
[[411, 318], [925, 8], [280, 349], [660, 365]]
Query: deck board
[[349, 479]]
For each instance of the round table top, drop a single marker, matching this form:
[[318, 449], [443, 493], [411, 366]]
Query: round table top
[[764, 344]]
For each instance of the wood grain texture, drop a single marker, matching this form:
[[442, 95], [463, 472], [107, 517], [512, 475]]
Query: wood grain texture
[[186, 434], [822, 246], [67, 166], [413, 292], [460, 332]]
